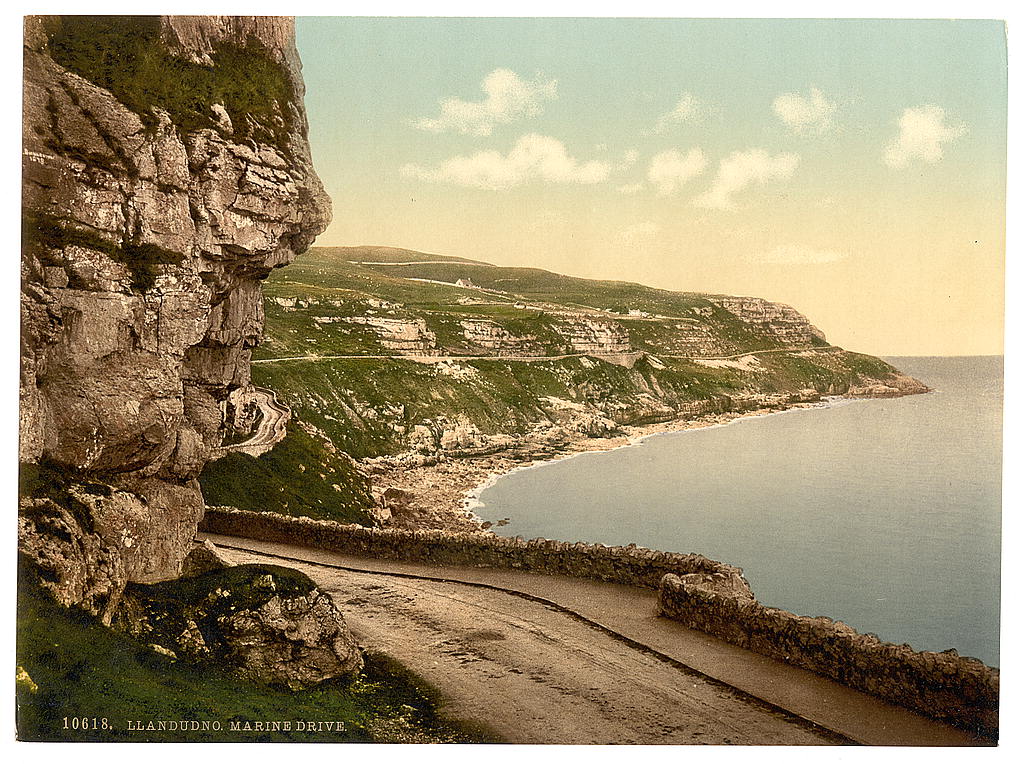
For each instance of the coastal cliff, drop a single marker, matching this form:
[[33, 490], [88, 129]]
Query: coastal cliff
[[412, 377], [166, 173]]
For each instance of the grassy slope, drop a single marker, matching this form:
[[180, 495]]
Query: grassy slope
[[300, 476], [366, 407], [328, 274], [82, 669]]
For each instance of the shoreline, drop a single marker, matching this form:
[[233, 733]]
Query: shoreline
[[445, 494], [670, 427]]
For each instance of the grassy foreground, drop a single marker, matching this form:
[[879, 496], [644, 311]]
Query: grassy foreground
[[81, 682]]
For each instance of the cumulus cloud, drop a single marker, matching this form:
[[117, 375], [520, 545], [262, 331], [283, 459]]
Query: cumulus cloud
[[923, 132], [670, 170], [791, 254], [508, 98], [803, 114], [631, 188], [533, 157], [742, 168], [685, 110]]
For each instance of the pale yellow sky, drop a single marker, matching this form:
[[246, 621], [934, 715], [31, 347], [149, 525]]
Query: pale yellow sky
[[853, 169]]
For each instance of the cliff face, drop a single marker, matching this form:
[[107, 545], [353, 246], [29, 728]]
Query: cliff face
[[166, 173], [786, 324]]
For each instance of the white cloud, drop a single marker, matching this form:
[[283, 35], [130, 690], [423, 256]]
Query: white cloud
[[805, 115], [670, 170], [740, 169], [791, 254], [509, 98], [533, 157], [631, 188], [923, 131], [629, 157], [685, 110]]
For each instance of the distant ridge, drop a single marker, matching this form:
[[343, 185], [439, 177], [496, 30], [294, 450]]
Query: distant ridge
[[372, 254]]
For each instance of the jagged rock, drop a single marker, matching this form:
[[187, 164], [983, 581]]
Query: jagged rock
[[399, 335], [264, 623], [90, 539], [147, 230], [202, 559], [494, 339], [586, 335]]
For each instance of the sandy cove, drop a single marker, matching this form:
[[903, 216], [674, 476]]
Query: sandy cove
[[441, 492]]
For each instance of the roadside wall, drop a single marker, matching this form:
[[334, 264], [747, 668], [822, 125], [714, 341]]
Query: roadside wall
[[631, 565], [700, 593], [958, 690]]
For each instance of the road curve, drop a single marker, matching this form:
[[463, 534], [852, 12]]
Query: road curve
[[271, 430], [561, 660]]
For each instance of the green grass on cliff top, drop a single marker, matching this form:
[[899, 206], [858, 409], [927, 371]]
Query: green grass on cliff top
[[80, 670], [349, 267], [124, 54]]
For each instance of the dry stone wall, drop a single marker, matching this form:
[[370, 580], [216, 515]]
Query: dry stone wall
[[700, 593], [630, 565], [955, 689]]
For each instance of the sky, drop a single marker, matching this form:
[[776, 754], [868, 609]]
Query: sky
[[853, 169]]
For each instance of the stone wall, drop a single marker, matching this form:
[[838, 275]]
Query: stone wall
[[958, 690], [700, 593], [630, 565]]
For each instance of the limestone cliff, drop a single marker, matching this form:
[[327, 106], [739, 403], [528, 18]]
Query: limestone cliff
[[166, 173]]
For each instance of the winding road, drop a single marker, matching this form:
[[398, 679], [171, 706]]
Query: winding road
[[271, 430], [551, 659]]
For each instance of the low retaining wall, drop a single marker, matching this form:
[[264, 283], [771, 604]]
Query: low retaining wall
[[700, 593], [957, 690], [631, 565]]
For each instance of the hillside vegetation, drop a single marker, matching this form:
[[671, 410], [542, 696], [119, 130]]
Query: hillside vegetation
[[382, 351]]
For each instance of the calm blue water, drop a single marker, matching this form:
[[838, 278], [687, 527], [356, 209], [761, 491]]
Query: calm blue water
[[884, 514]]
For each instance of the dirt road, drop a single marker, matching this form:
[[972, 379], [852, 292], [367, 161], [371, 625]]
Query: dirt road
[[534, 674]]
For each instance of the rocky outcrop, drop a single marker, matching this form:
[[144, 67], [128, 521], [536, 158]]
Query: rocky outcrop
[[787, 325], [202, 559], [400, 336], [585, 335], [496, 340], [264, 623], [892, 387], [151, 214]]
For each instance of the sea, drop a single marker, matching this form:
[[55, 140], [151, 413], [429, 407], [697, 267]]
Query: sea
[[881, 513]]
